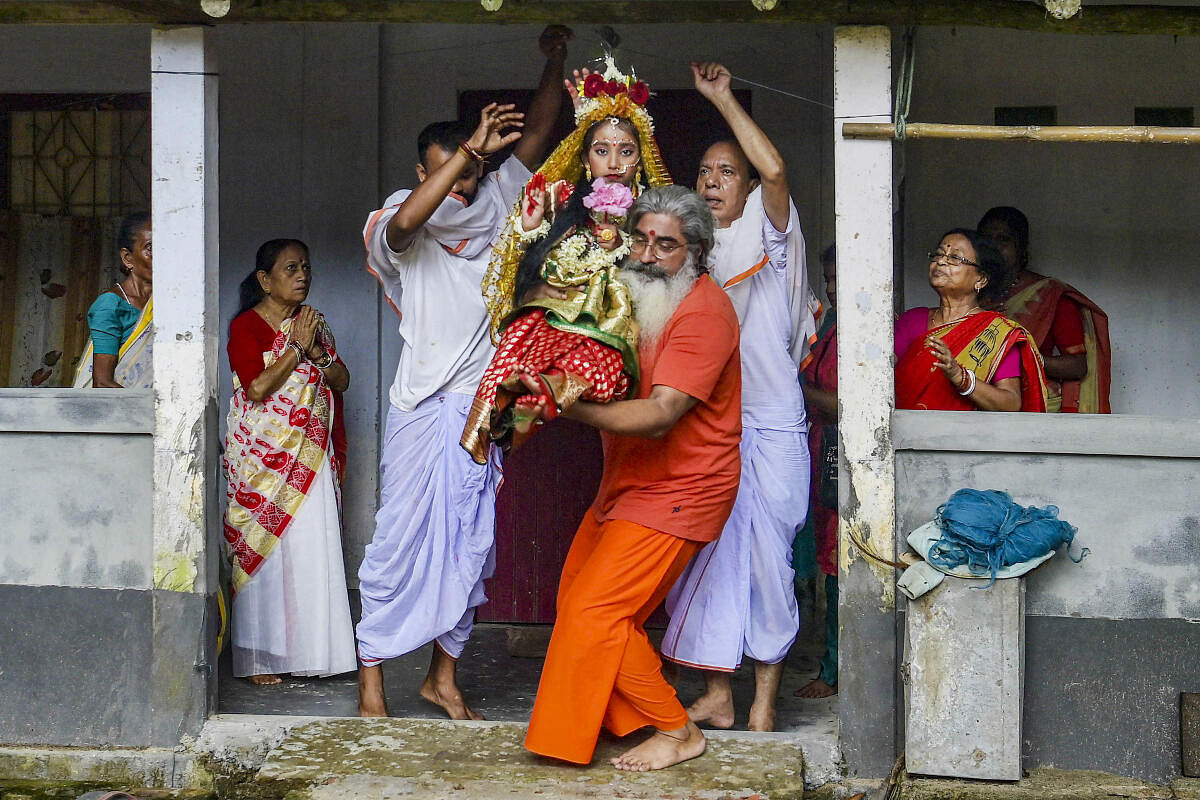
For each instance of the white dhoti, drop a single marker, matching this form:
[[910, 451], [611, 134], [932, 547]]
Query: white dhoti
[[434, 544], [737, 596], [293, 615]]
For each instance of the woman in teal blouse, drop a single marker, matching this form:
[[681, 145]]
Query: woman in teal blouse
[[119, 320]]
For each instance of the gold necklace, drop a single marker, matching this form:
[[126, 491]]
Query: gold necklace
[[268, 317], [963, 315]]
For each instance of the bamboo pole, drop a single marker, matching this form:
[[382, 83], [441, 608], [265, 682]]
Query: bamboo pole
[[1136, 134]]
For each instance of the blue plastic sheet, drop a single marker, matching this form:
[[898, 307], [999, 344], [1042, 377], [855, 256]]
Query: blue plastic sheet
[[985, 530]]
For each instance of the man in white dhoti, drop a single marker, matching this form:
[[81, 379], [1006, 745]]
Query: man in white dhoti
[[736, 596], [422, 575]]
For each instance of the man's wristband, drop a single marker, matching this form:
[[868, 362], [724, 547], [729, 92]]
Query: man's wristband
[[470, 152]]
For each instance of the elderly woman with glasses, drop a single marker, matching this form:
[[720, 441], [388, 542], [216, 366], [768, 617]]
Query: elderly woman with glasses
[[963, 355]]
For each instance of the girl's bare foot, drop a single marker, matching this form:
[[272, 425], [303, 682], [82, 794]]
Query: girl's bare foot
[[663, 749]]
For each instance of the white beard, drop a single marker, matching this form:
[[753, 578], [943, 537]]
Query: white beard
[[656, 295]]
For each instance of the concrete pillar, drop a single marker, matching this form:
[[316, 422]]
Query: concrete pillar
[[184, 208], [964, 651], [863, 210]]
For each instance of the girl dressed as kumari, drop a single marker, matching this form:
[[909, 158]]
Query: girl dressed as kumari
[[578, 339]]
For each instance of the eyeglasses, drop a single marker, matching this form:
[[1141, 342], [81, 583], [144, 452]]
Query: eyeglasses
[[662, 248], [951, 258]]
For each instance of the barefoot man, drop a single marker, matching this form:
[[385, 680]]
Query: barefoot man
[[737, 596], [670, 479], [422, 575]]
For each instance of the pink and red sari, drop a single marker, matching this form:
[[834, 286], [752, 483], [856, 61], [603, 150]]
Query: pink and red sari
[[978, 342]]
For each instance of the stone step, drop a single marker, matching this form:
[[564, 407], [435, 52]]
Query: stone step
[[348, 759]]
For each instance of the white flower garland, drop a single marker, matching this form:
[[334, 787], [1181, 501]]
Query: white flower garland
[[535, 234], [579, 256]]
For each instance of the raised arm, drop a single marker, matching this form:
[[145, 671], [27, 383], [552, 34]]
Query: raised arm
[[712, 81], [543, 111], [492, 133]]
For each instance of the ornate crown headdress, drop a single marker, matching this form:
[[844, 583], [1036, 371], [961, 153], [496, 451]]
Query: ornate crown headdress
[[603, 95]]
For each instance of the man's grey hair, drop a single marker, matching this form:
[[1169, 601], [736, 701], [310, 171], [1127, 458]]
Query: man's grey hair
[[694, 215]]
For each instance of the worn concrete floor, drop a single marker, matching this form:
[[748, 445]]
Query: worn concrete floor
[[365, 759], [420, 754], [501, 684]]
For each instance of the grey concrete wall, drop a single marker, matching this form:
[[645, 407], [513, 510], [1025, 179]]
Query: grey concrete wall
[[64, 58], [79, 666], [1115, 220], [300, 159], [97, 446], [92, 654], [1111, 640]]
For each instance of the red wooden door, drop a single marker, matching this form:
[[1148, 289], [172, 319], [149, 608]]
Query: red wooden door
[[549, 482]]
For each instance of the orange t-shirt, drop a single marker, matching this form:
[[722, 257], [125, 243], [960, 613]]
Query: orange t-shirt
[[685, 483]]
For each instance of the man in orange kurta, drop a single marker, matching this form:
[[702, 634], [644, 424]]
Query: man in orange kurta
[[671, 470]]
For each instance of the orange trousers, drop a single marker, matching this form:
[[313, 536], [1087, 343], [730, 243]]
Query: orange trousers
[[601, 668]]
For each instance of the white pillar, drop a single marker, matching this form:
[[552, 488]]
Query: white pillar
[[867, 676], [184, 207], [183, 120]]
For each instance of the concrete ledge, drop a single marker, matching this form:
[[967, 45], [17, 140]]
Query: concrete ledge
[[1084, 434], [158, 767], [1049, 784], [350, 758], [76, 411]]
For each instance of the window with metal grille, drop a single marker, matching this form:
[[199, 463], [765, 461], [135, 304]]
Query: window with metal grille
[[75, 156]]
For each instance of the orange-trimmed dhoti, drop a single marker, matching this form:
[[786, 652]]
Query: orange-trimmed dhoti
[[601, 669]]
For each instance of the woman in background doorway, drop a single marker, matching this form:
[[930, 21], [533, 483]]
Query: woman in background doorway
[[285, 452], [118, 354], [819, 383]]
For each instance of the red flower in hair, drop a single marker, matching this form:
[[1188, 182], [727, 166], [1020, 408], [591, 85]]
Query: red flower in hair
[[593, 84], [639, 93], [614, 88]]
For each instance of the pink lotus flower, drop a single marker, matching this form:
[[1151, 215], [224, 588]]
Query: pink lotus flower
[[609, 198]]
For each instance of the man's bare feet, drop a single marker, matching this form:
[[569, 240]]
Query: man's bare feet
[[766, 689], [663, 749], [715, 706], [265, 679], [450, 699], [815, 689], [441, 686], [713, 709], [762, 717], [371, 699]]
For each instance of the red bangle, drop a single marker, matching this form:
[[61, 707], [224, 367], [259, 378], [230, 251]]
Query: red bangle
[[470, 152]]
